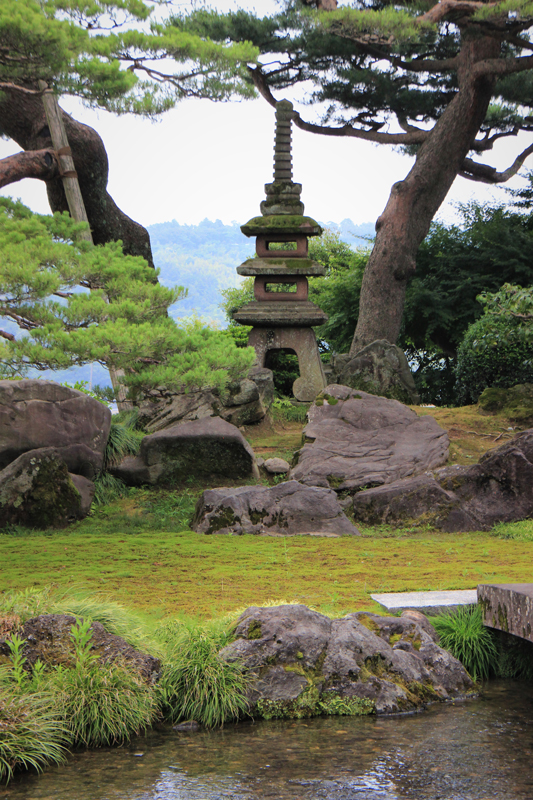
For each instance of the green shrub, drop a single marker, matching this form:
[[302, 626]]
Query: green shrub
[[494, 352], [196, 683], [283, 410], [463, 633]]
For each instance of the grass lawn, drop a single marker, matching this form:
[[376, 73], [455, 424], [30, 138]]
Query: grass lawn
[[140, 552], [133, 557]]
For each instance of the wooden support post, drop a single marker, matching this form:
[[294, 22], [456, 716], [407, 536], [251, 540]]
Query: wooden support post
[[74, 198]]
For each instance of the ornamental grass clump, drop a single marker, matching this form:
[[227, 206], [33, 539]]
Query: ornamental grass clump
[[31, 731], [196, 683], [102, 704], [464, 635]]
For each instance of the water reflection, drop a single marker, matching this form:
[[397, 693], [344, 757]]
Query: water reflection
[[473, 751]]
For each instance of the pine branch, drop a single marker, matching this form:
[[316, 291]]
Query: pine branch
[[484, 173], [41, 164], [416, 137]]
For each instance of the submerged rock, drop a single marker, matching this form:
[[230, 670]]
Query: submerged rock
[[304, 663], [286, 509], [497, 489], [355, 439]]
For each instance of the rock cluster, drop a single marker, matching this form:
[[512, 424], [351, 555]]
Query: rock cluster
[[286, 509], [303, 662], [355, 439], [242, 403], [52, 442], [204, 448], [497, 489]]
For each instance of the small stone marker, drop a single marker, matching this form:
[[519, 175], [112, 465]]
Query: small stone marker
[[431, 603]]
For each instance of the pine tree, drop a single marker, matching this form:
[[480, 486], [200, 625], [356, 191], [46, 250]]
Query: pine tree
[[76, 304]]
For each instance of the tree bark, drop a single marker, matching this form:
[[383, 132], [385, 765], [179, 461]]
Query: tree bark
[[413, 202], [41, 164], [22, 118]]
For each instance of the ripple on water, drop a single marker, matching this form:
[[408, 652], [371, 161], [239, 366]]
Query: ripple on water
[[477, 750]]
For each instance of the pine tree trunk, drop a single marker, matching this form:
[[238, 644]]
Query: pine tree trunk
[[413, 202], [22, 118]]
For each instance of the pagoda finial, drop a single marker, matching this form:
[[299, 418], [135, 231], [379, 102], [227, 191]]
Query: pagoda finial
[[283, 196]]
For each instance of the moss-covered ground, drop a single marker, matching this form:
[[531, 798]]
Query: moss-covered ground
[[140, 551]]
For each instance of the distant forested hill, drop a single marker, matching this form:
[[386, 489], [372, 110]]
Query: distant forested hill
[[204, 258]]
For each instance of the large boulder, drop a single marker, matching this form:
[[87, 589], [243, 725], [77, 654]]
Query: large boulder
[[37, 490], [286, 509], [379, 368], [36, 414], [355, 439], [202, 448], [48, 638], [241, 403], [497, 489], [303, 663]]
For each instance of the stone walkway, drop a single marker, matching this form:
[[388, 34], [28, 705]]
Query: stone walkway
[[431, 603]]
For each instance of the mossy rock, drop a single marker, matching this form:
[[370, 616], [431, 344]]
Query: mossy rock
[[37, 491], [516, 402]]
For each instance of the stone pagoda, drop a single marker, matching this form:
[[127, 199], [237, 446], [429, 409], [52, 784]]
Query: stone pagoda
[[282, 316]]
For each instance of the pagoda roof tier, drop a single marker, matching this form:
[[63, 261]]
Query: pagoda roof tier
[[276, 314], [290, 224], [289, 267]]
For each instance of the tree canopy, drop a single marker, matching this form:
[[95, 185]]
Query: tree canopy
[[444, 81], [77, 304], [115, 54]]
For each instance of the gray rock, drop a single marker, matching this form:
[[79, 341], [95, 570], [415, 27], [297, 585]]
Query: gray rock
[[242, 403], [355, 439], [48, 638], [277, 466], [286, 509], [240, 393], [36, 414], [36, 490], [497, 489], [202, 448], [300, 658], [160, 410], [381, 368], [264, 380]]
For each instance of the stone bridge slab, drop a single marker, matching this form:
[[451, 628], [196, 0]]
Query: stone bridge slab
[[431, 603], [508, 607]]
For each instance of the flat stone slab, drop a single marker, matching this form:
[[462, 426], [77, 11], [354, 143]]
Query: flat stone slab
[[431, 603], [508, 607]]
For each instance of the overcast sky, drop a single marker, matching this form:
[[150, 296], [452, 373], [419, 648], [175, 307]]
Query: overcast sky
[[207, 160]]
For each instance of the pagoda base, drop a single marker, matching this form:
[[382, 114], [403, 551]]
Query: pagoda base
[[303, 341]]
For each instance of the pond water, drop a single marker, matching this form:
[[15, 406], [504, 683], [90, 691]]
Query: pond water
[[476, 750]]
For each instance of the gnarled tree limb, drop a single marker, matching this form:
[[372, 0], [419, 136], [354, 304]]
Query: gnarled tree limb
[[484, 173], [22, 118], [40, 164]]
